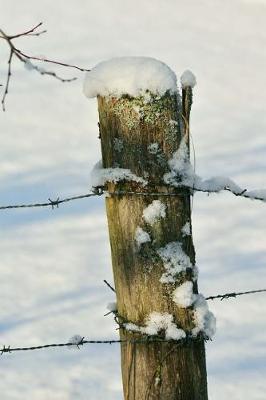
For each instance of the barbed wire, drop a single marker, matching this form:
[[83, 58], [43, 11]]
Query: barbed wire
[[8, 349], [244, 193], [53, 203], [98, 191], [143, 340], [233, 294], [83, 341]]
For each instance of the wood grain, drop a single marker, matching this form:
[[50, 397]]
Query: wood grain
[[128, 126]]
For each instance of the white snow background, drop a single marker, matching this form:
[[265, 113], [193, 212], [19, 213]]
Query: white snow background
[[53, 262]]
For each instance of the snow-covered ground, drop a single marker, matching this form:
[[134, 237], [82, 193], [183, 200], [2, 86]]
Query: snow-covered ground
[[53, 262]]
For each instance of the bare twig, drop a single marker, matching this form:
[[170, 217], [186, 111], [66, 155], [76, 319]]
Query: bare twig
[[26, 59], [29, 32]]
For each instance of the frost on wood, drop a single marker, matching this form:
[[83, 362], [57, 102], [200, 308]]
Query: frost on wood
[[204, 319], [174, 261], [188, 79], [141, 236], [185, 230], [99, 175], [154, 212], [183, 295], [133, 76], [156, 324]]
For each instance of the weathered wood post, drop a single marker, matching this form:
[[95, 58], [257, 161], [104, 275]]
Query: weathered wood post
[[152, 248]]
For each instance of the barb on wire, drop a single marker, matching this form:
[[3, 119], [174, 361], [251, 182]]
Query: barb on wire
[[108, 284], [8, 349], [100, 190], [244, 193], [120, 321], [233, 294], [52, 203], [26, 59]]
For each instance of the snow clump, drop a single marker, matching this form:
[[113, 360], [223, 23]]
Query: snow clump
[[154, 212], [112, 306], [129, 75], [174, 261], [182, 174], [204, 319], [183, 295], [188, 79], [185, 230], [157, 322], [75, 341], [153, 148], [141, 236], [180, 167], [252, 194], [99, 175]]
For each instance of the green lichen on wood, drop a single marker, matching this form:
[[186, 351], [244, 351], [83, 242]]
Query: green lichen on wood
[[148, 109]]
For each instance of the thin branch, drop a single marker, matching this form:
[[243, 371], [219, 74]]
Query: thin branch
[[7, 79], [26, 59], [30, 31], [47, 60]]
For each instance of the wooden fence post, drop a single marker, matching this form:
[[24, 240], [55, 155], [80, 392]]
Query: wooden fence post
[[142, 135]]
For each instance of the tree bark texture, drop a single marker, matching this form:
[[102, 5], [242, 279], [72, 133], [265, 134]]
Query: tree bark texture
[[129, 130]]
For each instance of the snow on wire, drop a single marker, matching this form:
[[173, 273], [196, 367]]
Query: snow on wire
[[79, 341], [100, 191], [145, 340]]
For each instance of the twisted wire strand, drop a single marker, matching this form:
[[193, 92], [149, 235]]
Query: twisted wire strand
[[100, 191], [233, 294]]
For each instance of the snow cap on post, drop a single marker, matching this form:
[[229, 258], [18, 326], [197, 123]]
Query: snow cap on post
[[188, 79], [132, 76]]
